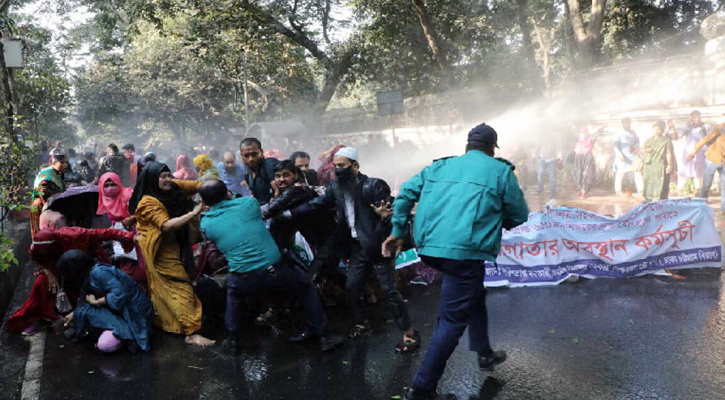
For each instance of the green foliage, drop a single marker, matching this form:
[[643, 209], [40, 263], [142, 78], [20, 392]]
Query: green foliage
[[640, 27], [175, 68], [7, 256]]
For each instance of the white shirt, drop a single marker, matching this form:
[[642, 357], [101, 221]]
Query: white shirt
[[350, 214]]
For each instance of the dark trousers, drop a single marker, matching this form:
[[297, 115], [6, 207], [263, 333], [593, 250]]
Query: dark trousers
[[284, 278], [326, 264], [360, 265], [463, 304]]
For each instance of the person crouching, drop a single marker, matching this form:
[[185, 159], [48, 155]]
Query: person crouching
[[256, 265]]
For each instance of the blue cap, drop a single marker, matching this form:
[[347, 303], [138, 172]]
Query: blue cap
[[483, 134]]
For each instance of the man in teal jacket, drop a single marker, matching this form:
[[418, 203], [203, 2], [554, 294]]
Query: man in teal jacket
[[463, 203]]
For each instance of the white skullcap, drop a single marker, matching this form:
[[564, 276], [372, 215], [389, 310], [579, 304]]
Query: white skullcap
[[349, 152]]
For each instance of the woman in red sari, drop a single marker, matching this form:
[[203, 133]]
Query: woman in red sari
[[48, 245]]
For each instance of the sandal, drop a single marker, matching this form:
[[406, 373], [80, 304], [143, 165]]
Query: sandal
[[358, 330], [265, 318], [409, 343]]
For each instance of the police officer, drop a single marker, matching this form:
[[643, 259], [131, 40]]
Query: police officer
[[463, 202]]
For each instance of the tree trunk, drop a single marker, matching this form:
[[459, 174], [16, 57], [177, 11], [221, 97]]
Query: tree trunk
[[333, 78], [545, 54], [434, 41], [335, 69], [587, 37], [526, 41]]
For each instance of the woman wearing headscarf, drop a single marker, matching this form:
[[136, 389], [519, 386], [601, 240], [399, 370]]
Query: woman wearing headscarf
[[48, 182], [326, 173], [113, 201], [163, 212], [206, 168], [110, 303], [659, 163], [185, 169], [48, 245]]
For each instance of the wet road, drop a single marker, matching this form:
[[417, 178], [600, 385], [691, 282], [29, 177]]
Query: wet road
[[640, 338]]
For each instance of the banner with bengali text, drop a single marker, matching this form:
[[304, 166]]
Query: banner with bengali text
[[556, 244]]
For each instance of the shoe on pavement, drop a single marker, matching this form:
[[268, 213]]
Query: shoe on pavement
[[418, 280], [230, 346], [302, 337], [32, 329], [413, 394], [329, 342], [488, 362]]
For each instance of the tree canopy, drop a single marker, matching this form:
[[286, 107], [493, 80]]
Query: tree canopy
[[180, 68]]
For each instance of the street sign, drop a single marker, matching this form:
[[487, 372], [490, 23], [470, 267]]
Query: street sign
[[13, 53], [390, 102]]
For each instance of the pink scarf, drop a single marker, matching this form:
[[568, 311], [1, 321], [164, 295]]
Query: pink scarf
[[185, 170], [116, 207], [585, 142]]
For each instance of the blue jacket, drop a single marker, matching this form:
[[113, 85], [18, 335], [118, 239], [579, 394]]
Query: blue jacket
[[463, 202]]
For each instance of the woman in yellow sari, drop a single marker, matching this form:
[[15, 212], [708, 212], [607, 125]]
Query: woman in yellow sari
[[163, 211]]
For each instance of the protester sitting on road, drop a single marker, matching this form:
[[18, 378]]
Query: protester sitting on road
[[255, 264], [302, 161], [463, 202], [48, 245], [260, 170], [362, 206], [110, 304], [163, 213]]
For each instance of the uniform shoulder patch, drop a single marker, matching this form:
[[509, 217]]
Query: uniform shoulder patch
[[507, 162]]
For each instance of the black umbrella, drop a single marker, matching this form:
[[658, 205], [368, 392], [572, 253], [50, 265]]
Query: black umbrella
[[79, 204]]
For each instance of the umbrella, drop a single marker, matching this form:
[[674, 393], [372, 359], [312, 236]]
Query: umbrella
[[78, 205]]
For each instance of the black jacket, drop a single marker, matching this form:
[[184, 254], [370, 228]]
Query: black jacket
[[371, 229], [311, 177], [316, 227], [117, 164]]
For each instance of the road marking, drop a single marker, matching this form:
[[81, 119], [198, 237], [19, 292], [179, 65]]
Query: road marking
[[34, 368]]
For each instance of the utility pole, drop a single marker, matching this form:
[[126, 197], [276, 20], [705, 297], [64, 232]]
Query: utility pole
[[246, 96]]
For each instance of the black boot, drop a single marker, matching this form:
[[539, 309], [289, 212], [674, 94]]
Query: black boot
[[413, 394], [488, 362], [327, 341], [230, 346]]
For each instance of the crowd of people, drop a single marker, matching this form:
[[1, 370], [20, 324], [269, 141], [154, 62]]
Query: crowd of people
[[276, 233], [168, 234], [670, 161]]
